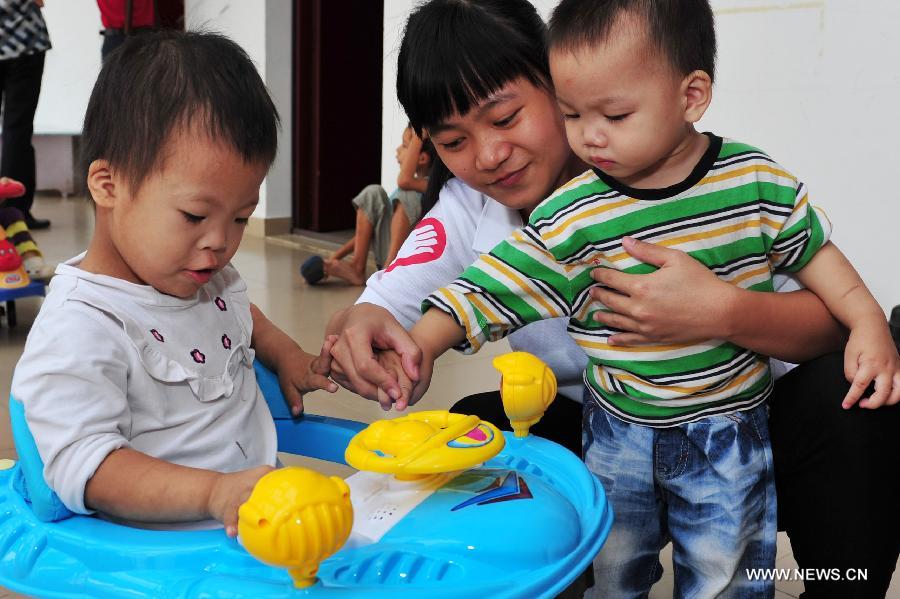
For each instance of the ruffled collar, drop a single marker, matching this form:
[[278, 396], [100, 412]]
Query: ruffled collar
[[202, 341]]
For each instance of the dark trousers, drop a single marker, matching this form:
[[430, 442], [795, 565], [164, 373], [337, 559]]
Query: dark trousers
[[561, 423], [837, 472], [20, 86]]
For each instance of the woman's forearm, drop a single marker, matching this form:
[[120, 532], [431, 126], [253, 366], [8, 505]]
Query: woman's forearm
[[794, 326]]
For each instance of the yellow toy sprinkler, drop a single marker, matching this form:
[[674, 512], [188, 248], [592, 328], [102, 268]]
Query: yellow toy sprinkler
[[294, 519], [527, 387]]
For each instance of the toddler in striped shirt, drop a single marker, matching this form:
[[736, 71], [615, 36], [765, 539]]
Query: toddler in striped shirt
[[677, 432]]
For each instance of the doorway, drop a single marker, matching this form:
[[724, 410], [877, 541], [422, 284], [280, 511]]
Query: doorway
[[171, 14], [337, 109]]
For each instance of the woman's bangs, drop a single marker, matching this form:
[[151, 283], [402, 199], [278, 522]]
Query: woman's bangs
[[465, 77]]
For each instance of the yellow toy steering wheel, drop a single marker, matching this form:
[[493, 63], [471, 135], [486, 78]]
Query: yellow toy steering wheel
[[424, 443]]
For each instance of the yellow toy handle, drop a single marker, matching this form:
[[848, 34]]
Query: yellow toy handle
[[294, 519], [527, 388], [424, 443]]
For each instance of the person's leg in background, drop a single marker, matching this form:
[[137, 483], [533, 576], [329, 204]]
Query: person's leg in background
[[837, 480], [407, 208], [21, 87], [113, 38], [372, 230]]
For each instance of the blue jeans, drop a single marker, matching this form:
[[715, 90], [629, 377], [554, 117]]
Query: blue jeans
[[708, 486]]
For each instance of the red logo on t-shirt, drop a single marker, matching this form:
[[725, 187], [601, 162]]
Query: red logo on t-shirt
[[426, 243]]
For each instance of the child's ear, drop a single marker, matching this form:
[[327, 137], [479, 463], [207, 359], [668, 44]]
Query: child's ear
[[424, 159], [101, 184], [696, 90]]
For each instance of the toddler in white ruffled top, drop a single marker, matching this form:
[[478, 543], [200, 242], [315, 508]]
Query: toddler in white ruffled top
[[137, 377]]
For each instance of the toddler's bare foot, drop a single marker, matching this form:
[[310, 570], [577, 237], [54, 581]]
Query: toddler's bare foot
[[346, 271]]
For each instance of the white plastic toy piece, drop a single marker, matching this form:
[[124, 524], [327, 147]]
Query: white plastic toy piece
[[380, 502]]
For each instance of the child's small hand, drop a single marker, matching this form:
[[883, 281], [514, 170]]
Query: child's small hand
[[411, 391], [392, 364], [300, 372], [229, 492], [870, 356]]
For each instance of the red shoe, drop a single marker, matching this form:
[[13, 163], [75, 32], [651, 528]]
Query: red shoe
[[10, 188]]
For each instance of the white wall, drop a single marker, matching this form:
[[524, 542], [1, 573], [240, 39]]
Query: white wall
[[393, 119], [815, 83], [817, 86], [263, 29], [279, 50], [71, 66], [242, 21]]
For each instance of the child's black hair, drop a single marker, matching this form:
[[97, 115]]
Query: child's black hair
[[431, 190], [158, 82], [456, 53], [428, 148], [683, 31]]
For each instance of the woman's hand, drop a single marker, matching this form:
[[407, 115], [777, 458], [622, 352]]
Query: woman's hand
[[682, 302], [362, 330]]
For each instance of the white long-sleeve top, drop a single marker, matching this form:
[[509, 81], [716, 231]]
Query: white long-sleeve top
[[111, 364]]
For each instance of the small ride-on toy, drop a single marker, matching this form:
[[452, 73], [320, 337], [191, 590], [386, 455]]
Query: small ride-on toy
[[444, 505], [14, 281]]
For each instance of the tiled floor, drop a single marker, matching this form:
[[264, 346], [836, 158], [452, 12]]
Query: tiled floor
[[271, 272]]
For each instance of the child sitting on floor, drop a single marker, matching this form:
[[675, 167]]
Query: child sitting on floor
[[137, 378], [382, 222]]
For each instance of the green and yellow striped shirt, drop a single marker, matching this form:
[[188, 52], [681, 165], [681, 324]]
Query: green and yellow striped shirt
[[739, 213]]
